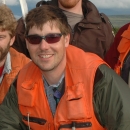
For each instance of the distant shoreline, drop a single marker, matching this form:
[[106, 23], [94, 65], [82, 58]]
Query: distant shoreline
[[119, 20], [116, 20]]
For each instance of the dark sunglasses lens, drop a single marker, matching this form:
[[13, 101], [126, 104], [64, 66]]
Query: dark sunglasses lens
[[53, 38], [34, 39]]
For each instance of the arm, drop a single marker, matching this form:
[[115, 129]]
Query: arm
[[111, 100], [10, 116]]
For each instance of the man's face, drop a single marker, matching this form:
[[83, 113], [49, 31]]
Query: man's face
[[48, 57], [68, 3], [5, 42]]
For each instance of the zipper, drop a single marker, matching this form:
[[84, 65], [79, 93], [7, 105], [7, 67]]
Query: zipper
[[76, 125]]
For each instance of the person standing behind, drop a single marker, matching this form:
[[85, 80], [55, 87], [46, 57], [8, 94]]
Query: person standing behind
[[112, 55], [90, 30], [63, 87], [11, 61]]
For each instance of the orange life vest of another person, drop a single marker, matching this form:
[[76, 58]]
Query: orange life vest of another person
[[123, 49], [18, 60], [75, 106]]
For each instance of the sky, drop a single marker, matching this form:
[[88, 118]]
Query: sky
[[109, 7]]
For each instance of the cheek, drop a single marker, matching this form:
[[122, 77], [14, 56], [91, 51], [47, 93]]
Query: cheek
[[30, 49], [33, 49]]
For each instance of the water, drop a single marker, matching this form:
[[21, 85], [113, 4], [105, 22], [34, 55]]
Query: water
[[119, 20]]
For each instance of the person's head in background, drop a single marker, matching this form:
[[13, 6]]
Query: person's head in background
[[8, 25], [47, 36], [74, 6]]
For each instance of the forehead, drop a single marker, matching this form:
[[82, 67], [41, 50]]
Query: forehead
[[4, 32], [46, 28]]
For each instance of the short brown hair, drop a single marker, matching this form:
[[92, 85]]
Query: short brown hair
[[40, 15], [7, 20]]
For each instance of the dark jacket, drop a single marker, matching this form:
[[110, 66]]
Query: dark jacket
[[91, 34], [20, 43], [111, 97]]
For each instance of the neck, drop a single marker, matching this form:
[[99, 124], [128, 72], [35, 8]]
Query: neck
[[76, 9], [53, 76]]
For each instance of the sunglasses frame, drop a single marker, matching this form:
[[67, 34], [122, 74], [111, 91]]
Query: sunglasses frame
[[51, 35]]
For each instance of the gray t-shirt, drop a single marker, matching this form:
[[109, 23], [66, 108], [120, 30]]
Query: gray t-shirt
[[73, 18]]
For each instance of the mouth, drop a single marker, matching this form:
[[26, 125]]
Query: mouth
[[46, 56]]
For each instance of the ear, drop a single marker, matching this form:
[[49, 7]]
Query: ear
[[67, 40], [12, 40]]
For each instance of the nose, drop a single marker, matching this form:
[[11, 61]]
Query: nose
[[44, 45]]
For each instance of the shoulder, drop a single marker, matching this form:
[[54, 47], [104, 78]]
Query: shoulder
[[106, 77], [78, 57], [10, 116], [107, 72], [29, 72]]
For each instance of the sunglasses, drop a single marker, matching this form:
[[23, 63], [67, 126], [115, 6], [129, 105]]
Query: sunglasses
[[49, 38]]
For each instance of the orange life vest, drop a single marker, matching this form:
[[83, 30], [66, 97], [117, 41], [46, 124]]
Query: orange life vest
[[123, 49], [76, 105], [18, 60]]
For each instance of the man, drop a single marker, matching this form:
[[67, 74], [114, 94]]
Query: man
[[11, 61], [90, 31], [61, 90]]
